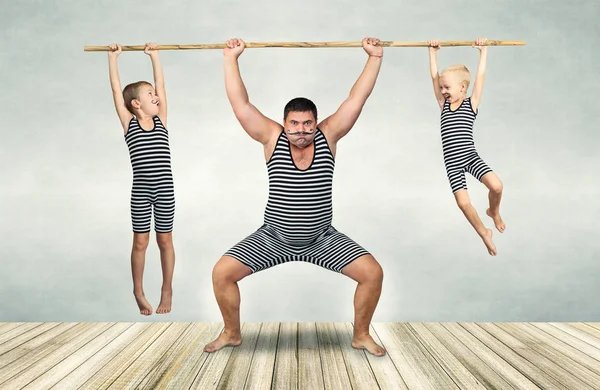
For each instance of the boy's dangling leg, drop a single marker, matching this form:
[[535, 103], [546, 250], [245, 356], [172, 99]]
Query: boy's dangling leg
[[464, 203], [164, 216], [167, 262], [495, 186], [138, 260]]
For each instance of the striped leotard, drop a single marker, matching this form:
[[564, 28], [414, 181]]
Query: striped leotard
[[458, 145], [152, 187], [297, 222]]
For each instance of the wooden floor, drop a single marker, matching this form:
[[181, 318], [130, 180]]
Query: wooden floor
[[300, 356]]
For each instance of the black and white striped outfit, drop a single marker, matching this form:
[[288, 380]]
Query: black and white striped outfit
[[458, 145], [297, 222], [152, 177]]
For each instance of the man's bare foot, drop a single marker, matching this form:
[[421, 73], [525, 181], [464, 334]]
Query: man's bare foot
[[224, 339], [367, 342], [500, 225], [164, 306], [487, 240], [143, 304]]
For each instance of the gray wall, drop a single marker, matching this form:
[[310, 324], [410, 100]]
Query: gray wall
[[65, 231]]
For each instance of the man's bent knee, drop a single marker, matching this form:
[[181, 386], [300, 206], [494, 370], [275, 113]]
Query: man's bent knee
[[229, 270], [365, 269]]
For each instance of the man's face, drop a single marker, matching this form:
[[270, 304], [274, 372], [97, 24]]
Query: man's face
[[300, 128]]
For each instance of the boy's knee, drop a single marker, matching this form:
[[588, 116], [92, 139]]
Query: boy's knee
[[463, 204], [164, 241], [140, 243], [497, 188]]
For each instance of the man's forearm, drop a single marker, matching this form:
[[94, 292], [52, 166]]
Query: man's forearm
[[366, 81], [234, 86]]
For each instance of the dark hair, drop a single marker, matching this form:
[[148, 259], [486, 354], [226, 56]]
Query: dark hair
[[299, 104], [132, 92]]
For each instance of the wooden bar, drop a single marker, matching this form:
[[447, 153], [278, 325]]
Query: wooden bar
[[346, 44]]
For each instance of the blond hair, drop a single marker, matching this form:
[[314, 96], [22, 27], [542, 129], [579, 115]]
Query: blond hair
[[132, 92], [461, 72]]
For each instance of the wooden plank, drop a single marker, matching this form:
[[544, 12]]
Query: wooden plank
[[310, 371], [595, 333], [210, 373], [593, 324], [359, 370], [153, 355], [59, 353], [236, 371], [451, 365], [569, 339], [17, 331], [552, 363], [384, 369], [194, 337], [285, 373], [90, 367], [511, 375], [26, 336], [560, 346], [6, 326], [578, 333], [34, 345], [414, 366], [104, 377], [535, 374], [571, 366], [76, 358], [480, 370], [335, 375], [184, 375], [29, 353], [263, 361]]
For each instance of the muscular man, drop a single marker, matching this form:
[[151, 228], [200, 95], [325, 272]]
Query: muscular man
[[300, 158]]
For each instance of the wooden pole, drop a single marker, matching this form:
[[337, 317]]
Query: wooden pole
[[305, 44]]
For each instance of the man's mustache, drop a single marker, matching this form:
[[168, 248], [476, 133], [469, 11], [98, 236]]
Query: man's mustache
[[301, 133]]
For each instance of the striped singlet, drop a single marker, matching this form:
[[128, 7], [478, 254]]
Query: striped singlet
[[300, 201], [297, 221], [458, 145], [153, 186]]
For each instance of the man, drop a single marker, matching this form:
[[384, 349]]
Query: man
[[297, 224]]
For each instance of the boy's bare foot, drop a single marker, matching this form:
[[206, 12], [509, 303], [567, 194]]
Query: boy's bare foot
[[224, 340], [164, 306], [487, 240], [143, 304], [367, 342], [500, 225]]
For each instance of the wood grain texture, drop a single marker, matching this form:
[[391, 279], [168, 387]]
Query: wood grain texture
[[342, 44], [290, 355]]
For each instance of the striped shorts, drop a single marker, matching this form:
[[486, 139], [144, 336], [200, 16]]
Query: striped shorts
[[145, 201], [473, 165], [264, 248]]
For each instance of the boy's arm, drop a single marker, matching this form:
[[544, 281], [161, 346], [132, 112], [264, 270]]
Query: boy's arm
[[115, 84], [435, 77], [159, 81], [480, 76]]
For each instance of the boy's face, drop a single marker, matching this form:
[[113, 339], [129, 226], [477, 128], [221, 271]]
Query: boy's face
[[451, 87], [148, 100]]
